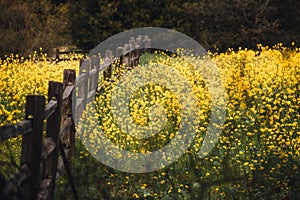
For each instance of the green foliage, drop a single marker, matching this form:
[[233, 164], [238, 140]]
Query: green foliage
[[257, 156], [214, 24], [27, 25]]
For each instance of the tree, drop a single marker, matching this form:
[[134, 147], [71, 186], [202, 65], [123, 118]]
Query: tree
[[95, 20], [213, 23], [27, 25], [231, 23]]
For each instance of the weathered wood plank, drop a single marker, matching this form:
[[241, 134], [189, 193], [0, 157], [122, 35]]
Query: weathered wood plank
[[78, 109], [53, 129], [108, 61], [67, 92], [45, 185], [16, 179], [82, 87], [69, 126], [95, 64], [32, 145], [108, 56], [91, 96], [93, 79], [80, 79], [147, 42], [13, 130], [60, 166], [47, 147], [68, 171], [65, 126], [93, 71], [50, 108], [69, 78], [120, 54]]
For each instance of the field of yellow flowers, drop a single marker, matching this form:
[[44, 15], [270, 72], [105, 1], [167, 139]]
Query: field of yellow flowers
[[20, 77], [257, 156]]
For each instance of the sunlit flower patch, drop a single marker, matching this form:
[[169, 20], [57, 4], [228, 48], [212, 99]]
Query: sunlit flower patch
[[257, 156]]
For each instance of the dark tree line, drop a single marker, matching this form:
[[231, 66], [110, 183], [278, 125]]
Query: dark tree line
[[26, 25]]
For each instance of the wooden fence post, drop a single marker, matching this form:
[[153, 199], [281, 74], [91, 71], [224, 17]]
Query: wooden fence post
[[147, 44], [133, 50], [108, 60], [120, 54], [83, 85], [53, 129], [69, 80], [95, 64], [32, 145], [93, 82], [128, 49]]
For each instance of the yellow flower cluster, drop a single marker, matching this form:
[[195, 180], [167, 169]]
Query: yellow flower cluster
[[263, 99], [260, 142], [143, 110], [20, 77], [261, 134]]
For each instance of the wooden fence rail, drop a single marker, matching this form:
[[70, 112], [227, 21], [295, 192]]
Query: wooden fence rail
[[92, 70], [38, 151], [40, 163], [13, 130], [59, 57]]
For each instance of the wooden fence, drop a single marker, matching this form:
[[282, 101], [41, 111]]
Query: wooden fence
[[40, 163], [65, 55], [94, 69], [66, 103], [60, 137]]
